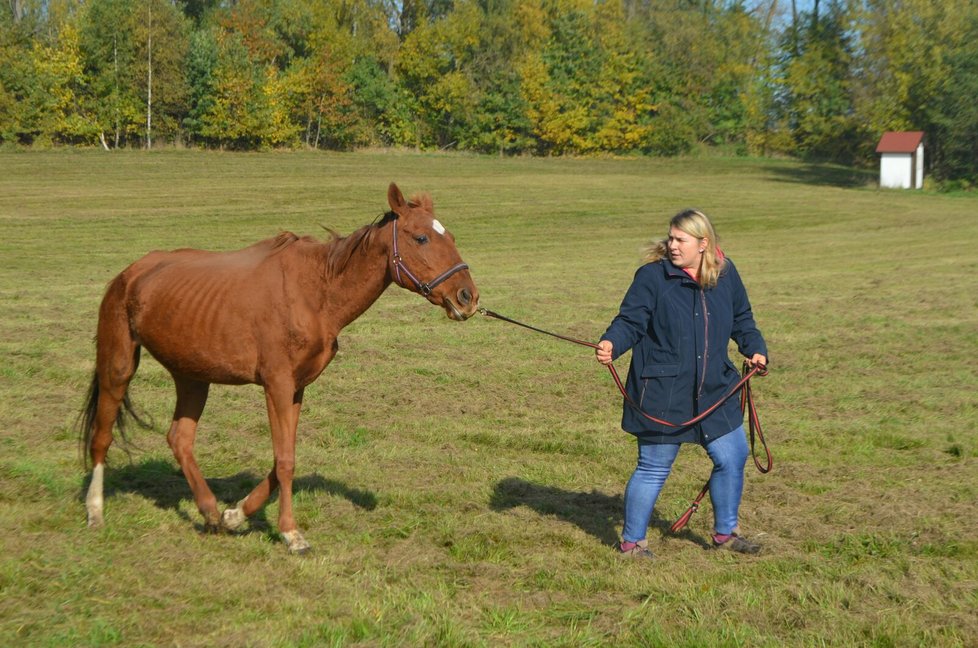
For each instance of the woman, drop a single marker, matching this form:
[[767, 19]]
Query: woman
[[684, 305]]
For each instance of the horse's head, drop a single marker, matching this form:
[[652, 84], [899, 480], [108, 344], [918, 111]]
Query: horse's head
[[424, 258]]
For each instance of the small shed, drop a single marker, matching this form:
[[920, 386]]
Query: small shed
[[901, 160]]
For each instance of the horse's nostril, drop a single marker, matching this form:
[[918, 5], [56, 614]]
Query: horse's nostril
[[464, 296]]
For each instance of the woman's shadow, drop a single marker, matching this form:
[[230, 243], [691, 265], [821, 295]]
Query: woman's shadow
[[162, 483], [595, 513]]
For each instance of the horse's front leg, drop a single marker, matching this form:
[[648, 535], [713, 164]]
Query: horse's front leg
[[286, 412], [283, 415]]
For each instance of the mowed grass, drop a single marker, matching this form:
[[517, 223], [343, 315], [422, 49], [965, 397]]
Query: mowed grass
[[461, 484]]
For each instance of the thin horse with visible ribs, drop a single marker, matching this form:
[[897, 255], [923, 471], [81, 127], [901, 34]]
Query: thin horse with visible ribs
[[268, 314]]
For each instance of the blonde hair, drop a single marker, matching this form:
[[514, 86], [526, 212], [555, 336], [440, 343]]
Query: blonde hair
[[698, 225]]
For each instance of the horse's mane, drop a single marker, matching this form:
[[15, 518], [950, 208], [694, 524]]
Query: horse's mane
[[282, 241], [340, 249]]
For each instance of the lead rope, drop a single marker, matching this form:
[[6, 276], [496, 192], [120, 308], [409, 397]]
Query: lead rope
[[746, 405]]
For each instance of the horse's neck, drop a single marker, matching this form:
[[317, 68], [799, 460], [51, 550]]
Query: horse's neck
[[353, 286]]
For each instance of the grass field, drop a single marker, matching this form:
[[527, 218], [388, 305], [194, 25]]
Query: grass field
[[461, 484]]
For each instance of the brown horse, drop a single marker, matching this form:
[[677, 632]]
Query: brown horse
[[269, 315]]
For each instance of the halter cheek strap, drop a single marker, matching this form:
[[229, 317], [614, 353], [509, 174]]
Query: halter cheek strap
[[424, 288]]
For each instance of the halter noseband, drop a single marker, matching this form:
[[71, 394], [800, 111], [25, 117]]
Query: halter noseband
[[424, 288]]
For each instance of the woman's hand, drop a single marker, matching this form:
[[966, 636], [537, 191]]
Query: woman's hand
[[604, 352], [757, 359]]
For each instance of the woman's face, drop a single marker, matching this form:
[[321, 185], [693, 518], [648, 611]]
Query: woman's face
[[685, 250]]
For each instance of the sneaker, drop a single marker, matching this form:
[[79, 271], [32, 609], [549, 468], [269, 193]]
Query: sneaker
[[739, 545], [640, 550]]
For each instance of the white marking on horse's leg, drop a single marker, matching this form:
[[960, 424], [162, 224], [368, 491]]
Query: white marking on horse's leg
[[93, 500], [234, 518], [295, 542]]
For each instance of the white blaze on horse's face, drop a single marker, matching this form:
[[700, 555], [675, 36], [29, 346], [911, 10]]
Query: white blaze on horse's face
[[438, 227]]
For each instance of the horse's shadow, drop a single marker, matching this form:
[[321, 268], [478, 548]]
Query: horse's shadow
[[594, 513], [163, 483]]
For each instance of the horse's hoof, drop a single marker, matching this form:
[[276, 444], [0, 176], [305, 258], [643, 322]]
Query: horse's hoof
[[296, 544], [233, 519], [212, 522], [95, 521], [213, 528]]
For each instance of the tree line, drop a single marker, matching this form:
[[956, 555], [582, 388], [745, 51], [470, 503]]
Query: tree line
[[544, 77]]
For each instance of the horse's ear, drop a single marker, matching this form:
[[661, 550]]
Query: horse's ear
[[396, 199]]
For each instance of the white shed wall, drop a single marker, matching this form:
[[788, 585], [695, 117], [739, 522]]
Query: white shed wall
[[895, 170]]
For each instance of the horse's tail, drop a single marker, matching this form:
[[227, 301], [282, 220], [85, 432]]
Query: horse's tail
[[126, 413], [117, 359], [86, 421]]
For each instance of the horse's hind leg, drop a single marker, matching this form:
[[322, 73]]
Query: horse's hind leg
[[107, 403], [191, 398], [117, 358], [234, 518]]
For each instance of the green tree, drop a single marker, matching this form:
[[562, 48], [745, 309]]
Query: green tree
[[622, 93], [433, 65], [816, 85], [234, 110], [43, 85], [15, 79], [499, 122], [903, 64], [321, 100], [701, 64], [118, 77], [953, 140], [383, 107], [164, 38], [765, 127], [558, 81], [56, 108], [202, 61], [135, 55], [912, 64]]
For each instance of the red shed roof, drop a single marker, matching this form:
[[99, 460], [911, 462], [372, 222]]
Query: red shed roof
[[900, 142]]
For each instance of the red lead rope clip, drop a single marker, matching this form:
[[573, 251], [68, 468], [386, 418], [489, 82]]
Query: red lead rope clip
[[684, 518]]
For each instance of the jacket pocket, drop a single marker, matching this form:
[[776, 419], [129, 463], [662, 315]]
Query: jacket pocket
[[660, 370], [658, 385]]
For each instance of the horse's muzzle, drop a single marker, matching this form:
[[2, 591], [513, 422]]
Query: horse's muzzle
[[464, 306]]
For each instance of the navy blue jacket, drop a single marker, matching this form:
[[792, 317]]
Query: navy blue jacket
[[679, 334]]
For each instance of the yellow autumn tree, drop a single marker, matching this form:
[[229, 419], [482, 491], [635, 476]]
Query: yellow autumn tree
[[58, 111]]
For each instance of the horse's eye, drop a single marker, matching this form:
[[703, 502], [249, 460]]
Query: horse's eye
[[422, 239]]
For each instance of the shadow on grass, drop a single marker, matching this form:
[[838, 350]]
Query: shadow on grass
[[594, 513], [163, 483], [824, 175]]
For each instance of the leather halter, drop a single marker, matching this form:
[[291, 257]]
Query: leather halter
[[424, 288]]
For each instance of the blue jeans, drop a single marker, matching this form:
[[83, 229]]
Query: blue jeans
[[729, 455]]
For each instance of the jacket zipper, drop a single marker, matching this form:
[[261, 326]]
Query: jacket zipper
[[706, 343]]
